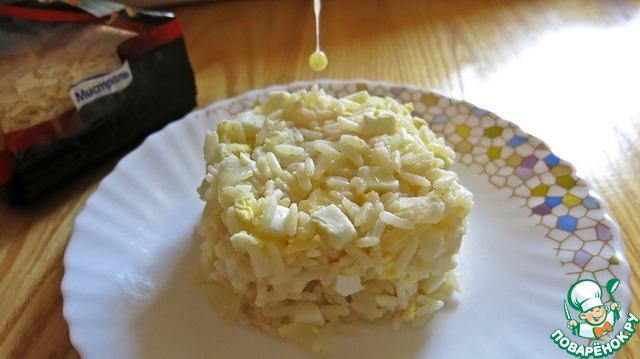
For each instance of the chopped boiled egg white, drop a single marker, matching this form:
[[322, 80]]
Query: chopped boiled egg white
[[379, 123], [307, 312], [276, 224], [334, 226], [347, 285]]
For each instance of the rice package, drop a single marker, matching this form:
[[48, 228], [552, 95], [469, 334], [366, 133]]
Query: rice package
[[81, 83]]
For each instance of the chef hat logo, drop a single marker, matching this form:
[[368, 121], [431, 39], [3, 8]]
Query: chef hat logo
[[584, 295]]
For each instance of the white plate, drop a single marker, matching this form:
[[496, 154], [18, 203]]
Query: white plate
[[535, 230]]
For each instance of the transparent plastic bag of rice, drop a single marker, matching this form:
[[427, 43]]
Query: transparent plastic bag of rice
[[322, 212], [82, 83]]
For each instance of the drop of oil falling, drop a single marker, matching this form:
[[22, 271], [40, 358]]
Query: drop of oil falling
[[318, 60]]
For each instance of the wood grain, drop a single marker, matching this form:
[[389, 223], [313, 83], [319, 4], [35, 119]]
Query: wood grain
[[566, 71]]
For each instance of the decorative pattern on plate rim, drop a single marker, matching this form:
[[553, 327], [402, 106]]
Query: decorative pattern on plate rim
[[574, 216]]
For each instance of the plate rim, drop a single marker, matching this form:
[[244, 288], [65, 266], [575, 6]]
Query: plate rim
[[617, 234]]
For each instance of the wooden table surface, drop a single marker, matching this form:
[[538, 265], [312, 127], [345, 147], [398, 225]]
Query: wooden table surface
[[567, 71]]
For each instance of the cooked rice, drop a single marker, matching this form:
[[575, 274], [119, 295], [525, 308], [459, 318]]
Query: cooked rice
[[323, 211]]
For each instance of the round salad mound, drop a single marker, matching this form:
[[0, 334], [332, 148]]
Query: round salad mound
[[324, 211]]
